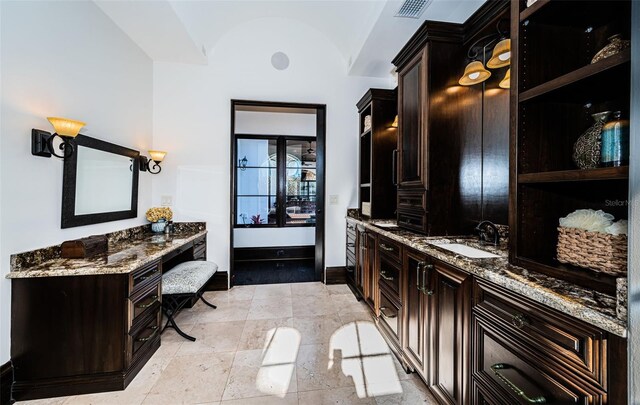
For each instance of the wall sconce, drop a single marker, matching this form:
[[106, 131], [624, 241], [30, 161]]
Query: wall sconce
[[157, 156], [242, 163], [394, 124], [506, 82], [65, 129], [475, 72]]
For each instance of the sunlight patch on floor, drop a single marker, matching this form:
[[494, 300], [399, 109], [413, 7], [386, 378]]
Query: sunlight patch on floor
[[278, 361]]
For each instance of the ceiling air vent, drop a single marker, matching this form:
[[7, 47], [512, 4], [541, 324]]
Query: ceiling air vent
[[412, 8]]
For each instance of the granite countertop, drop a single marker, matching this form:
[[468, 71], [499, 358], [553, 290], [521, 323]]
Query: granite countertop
[[123, 256], [593, 307]]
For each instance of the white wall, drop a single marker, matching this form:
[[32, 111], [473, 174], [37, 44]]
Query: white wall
[[192, 121], [66, 59]]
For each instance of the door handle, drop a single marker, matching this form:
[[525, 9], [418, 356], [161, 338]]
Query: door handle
[[532, 400], [418, 267], [425, 277]]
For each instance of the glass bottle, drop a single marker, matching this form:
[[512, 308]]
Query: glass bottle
[[586, 150], [615, 142]]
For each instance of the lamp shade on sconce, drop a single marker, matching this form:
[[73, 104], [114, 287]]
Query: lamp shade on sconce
[[157, 155], [501, 55], [474, 73], [395, 122], [506, 82], [66, 127]]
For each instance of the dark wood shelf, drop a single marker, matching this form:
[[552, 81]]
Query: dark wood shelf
[[367, 132], [577, 75], [529, 11], [365, 185], [603, 173]]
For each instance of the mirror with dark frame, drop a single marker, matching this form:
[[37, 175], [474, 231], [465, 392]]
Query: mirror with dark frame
[[100, 183]]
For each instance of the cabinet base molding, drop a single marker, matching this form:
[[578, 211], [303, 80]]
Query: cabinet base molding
[[6, 381], [219, 282], [335, 275], [83, 384]]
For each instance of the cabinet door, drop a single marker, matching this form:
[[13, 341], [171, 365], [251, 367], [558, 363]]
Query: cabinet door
[[414, 308], [411, 144], [369, 274], [449, 332]]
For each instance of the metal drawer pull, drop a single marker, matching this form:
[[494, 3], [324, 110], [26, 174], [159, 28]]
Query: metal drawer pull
[[149, 275], [420, 264], [501, 366], [385, 247], [144, 339], [519, 320], [425, 290], [351, 244], [384, 275], [154, 299], [382, 309]]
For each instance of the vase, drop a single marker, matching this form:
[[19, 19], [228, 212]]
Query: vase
[[586, 150], [616, 45], [159, 226], [615, 142]]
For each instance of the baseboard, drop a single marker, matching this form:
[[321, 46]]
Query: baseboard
[[335, 275], [219, 282], [6, 381]]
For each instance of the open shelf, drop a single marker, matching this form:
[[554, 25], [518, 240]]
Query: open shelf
[[592, 71], [534, 8], [367, 132], [365, 185], [603, 173]]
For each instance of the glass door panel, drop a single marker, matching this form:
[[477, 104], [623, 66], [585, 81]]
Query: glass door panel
[[300, 181]]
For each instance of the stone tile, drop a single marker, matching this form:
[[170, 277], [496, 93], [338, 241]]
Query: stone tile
[[170, 334], [317, 329], [270, 308], [148, 376], [237, 293], [348, 317], [45, 401], [257, 333], [319, 368], [213, 337], [313, 306], [187, 316], [337, 289], [168, 349], [289, 399], [256, 373], [414, 391], [272, 290], [357, 339], [337, 396], [192, 379], [107, 398], [235, 311], [347, 303], [315, 289]]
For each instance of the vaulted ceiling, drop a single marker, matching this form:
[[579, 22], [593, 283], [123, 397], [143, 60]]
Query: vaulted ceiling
[[366, 32]]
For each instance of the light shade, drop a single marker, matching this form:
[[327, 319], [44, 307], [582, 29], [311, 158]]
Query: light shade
[[65, 126], [157, 155], [474, 73], [395, 122], [501, 55], [506, 82]]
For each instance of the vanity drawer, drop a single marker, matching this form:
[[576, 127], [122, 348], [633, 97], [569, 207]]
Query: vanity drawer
[[389, 315], [576, 346], [390, 277], [412, 200], [507, 370], [351, 230], [145, 276], [416, 221], [390, 248], [146, 334], [143, 301]]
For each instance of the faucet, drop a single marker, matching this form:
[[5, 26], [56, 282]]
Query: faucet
[[486, 230]]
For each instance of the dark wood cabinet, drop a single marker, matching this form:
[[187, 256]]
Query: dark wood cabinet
[[415, 310], [370, 277], [378, 140], [450, 308], [553, 76]]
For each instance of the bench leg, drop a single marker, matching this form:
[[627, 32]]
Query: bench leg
[[201, 296], [171, 307]]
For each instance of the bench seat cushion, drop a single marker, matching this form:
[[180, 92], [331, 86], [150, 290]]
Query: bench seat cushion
[[187, 277]]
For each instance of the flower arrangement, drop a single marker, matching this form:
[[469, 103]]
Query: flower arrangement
[[155, 214]]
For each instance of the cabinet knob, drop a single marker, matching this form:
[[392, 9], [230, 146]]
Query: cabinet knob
[[519, 320]]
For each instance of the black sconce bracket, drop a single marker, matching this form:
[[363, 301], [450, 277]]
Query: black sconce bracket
[[42, 144], [148, 165]]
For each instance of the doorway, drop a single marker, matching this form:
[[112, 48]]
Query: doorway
[[277, 192]]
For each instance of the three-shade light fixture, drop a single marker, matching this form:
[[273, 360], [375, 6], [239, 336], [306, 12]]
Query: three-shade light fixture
[[42, 143], [476, 72]]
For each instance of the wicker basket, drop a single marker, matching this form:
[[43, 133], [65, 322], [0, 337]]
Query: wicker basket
[[593, 250]]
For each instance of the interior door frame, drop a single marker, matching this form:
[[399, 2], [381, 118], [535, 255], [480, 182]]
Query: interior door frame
[[321, 125]]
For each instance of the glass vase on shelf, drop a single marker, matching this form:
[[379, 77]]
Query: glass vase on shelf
[[615, 142], [586, 150]]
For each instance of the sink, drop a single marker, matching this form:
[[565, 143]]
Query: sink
[[465, 250]]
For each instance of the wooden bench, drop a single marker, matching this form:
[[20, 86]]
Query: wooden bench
[[180, 285]]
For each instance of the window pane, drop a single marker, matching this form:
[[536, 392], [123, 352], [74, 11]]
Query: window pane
[[254, 181], [301, 196], [257, 153], [256, 210], [301, 153]]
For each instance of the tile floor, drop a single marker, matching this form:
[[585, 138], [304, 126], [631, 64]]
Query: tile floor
[[271, 344]]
